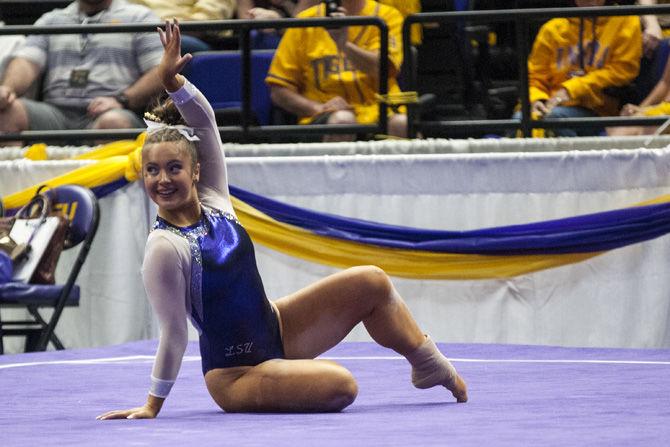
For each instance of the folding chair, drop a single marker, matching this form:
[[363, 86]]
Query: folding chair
[[218, 75], [81, 207]]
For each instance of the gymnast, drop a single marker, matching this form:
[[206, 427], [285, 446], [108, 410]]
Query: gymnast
[[199, 264]]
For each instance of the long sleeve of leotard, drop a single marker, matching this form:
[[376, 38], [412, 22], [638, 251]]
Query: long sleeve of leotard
[[198, 113], [166, 275]]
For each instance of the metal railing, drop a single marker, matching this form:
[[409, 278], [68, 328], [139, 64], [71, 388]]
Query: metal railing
[[522, 19], [243, 27]]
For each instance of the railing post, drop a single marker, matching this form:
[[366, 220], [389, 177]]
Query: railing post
[[383, 76], [245, 46], [522, 36], [409, 71]]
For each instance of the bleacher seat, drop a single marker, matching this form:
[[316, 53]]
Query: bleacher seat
[[218, 75]]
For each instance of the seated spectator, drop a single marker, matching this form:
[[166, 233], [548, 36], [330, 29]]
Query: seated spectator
[[404, 7], [408, 7], [185, 10], [652, 31], [330, 76], [279, 9], [656, 103], [90, 80], [270, 9], [574, 59], [8, 44]]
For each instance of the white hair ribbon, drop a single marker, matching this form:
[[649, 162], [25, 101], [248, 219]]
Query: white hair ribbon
[[187, 132]]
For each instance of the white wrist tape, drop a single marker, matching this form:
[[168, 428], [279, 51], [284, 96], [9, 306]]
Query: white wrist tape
[[160, 388]]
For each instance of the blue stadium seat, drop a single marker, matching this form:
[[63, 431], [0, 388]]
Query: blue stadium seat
[[218, 75], [264, 41], [461, 5]]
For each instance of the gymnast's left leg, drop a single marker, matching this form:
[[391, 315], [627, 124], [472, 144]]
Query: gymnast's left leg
[[319, 316]]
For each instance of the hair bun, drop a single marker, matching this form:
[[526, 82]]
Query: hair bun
[[165, 111]]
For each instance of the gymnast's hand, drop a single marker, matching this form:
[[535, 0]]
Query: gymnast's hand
[[172, 62], [144, 412]]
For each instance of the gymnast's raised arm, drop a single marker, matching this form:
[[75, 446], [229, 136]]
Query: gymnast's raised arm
[[198, 114]]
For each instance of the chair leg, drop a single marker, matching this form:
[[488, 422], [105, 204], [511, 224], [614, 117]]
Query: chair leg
[[56, 341], [2, 338], [39, 343], [31, 342]]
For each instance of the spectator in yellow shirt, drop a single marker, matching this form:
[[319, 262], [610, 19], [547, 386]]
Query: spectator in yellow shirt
[[330, 76], [574, 59]]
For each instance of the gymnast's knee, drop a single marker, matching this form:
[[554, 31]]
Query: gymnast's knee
[[226, 400], [340, 392], [375, 281]]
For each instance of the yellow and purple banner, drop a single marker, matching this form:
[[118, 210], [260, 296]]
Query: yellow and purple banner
[[337, 241]]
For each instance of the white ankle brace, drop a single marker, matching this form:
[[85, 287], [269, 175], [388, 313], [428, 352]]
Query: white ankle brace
[[430, 367]]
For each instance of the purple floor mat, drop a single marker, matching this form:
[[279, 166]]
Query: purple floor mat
[[519, 395]]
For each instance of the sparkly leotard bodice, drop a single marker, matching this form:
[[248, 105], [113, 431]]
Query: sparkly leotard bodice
[[236, 322]]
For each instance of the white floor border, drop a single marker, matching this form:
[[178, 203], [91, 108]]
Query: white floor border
[[124, 360]]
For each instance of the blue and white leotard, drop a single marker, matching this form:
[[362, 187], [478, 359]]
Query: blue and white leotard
[[237, 324], [207, 272]]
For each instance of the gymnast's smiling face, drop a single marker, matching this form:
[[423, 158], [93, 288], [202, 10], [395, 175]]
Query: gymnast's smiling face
[[170, 176]]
